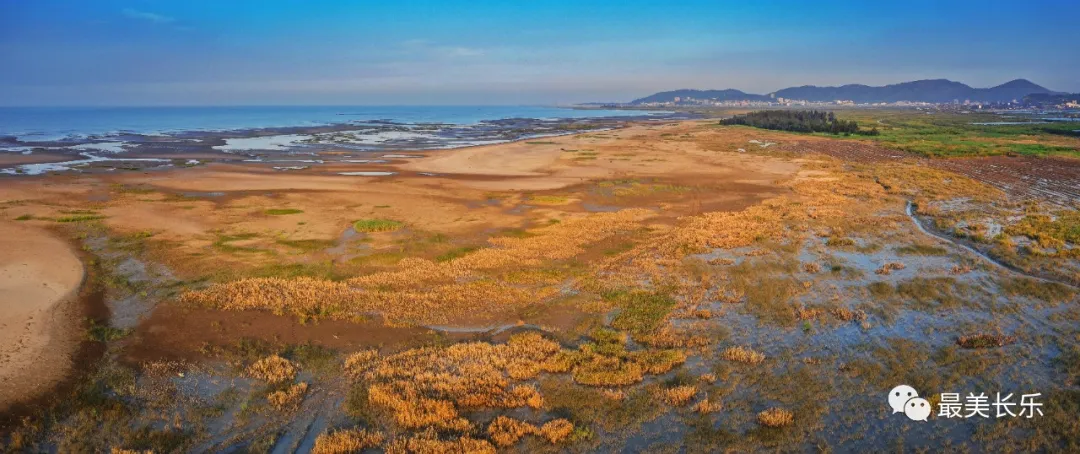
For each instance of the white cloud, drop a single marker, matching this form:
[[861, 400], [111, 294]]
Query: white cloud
[[428, 48], [146, 16], [460, 52]]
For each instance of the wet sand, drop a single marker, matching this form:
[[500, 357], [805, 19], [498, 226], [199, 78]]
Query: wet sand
[[40, 277]]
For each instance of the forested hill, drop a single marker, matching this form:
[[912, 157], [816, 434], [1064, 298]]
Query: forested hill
[[715, 95], [934, 91]]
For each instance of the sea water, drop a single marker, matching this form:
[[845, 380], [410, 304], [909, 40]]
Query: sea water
[[35, 124]]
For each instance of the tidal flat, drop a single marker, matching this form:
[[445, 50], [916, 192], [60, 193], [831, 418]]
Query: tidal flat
[[660, 284]]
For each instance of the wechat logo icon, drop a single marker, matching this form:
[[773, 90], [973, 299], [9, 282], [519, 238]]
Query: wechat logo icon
[[904, 399]]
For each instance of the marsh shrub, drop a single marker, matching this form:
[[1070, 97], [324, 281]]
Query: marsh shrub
[[272, 369], [288, 398], [359, 362], [427, 387], [557, 431], [775, 417], [428, 442], [846, 315], [743, 355], [506, 431], [985, 340], [888, 268], [679, 395], [708, 406], [346, 441]]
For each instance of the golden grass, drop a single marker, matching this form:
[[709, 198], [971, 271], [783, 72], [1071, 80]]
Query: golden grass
[[708, 406], [346, 441], [549, 200], [679, 395], [775, 417], [846, 315], [557, 431], [505, 431], [888, 267], [289, 398], [421, 291], [272, 369], [743, 355], [377, 225], [985, 340], [427, 442], [426, 387]]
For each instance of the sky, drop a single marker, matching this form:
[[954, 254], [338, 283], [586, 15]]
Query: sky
[[266, 52]]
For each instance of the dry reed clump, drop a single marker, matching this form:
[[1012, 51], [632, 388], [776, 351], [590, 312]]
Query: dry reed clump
[[985, 340], [288, 398], [614, 394], [421, 291], [428, 442], [506, 431], [807, 313], [658, 361], [960, 269], [306, 297], [708, 406], [679, 395], [846, 315], [299, 296], [611, 365], [557, 431], [725, 230], [426, 387], [888, 268], [272, 369], [775, 417], [742, 355], [811, 267], [707, 378], [346, 441], [359, 362], [601, 370]]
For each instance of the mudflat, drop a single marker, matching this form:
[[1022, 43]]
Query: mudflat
[[38, 274]]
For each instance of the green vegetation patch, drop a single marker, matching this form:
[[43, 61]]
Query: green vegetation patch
[[455, 253], [642, 312], [309, 245], [282, 211], [1051, 292], [104, 333], [377, 225], [933, 293], [799, 121], [1049, 232], [76, 218], [223, 243], [549, 199], [921, 249]]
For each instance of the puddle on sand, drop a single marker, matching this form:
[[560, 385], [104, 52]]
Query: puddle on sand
[[597, 208], [343, 241], [367, 174], [202, 194]]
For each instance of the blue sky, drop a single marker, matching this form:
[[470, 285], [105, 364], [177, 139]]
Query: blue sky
[[148, 52]]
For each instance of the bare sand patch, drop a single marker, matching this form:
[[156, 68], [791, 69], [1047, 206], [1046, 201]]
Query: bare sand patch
[[39, 275]]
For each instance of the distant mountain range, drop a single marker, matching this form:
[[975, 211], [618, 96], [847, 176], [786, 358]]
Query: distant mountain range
[[933, 91]]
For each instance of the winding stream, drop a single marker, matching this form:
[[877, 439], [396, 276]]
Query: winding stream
[[942, 237]]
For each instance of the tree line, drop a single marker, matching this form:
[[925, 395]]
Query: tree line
[[799, 121]]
